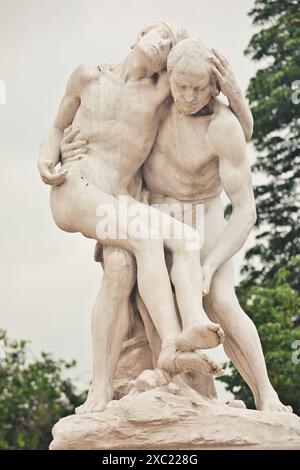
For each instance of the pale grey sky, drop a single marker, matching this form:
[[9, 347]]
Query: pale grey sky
[[48, 277]]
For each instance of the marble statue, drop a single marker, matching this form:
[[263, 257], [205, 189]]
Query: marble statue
[[143, 137]]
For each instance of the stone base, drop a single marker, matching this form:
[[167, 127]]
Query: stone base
[[164, 418]]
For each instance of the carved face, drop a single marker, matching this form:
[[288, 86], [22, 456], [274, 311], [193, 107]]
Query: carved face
[[155, 46], [192, 87]]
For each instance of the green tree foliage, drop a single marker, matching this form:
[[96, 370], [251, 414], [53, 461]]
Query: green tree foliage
[[34, 395], [273, 309], [276, 110]]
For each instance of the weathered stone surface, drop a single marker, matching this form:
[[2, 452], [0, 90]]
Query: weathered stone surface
[[165, 418], [118, 150]]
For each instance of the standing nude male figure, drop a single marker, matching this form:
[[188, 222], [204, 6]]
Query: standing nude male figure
[[200, 149], [118, 109]]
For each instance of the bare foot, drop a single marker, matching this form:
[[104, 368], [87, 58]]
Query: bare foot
[[95, 402], [200, 336], [177, 362], [272, 403]]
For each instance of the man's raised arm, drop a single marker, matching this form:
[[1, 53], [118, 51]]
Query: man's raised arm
[[235, 173], [50, 146]]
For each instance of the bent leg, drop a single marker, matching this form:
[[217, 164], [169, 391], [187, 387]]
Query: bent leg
[[242, 343], [198, 330], [110, 323], [83, 207], [75, 206]]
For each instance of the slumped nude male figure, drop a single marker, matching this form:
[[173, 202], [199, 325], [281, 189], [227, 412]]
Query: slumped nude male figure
[[118, 110], [200, 149]]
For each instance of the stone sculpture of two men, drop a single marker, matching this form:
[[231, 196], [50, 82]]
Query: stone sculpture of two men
[[143, 144]]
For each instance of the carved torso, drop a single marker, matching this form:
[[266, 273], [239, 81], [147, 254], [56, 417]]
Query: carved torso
[[183, 164], [120, 120]]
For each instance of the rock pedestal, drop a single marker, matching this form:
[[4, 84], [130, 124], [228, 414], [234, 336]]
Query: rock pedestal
[[165, 417]]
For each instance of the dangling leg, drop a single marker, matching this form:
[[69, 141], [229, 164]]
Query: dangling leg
[[75, 205]]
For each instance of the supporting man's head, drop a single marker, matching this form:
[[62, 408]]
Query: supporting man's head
[[192, 80], [155, 42]]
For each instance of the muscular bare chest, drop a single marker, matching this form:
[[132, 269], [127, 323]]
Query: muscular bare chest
[[185, 141], [182, 163]]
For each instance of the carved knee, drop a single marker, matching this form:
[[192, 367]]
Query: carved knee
[[225, 307], [119, 270], [190, 240]]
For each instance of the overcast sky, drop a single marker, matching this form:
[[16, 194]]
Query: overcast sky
[[48, 278]]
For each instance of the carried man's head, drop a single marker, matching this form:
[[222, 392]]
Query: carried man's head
[[191, 76], [156, 40]]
